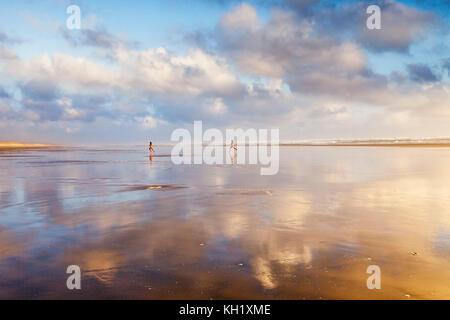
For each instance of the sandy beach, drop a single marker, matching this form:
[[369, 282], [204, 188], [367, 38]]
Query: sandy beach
[[145, 228]]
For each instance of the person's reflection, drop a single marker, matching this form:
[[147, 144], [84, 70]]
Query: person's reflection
[[150, 158], [233, 156]]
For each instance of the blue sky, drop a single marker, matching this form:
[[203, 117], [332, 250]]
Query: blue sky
[[140, 69]]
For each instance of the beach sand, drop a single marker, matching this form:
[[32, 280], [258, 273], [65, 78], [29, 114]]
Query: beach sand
[[148, 229]]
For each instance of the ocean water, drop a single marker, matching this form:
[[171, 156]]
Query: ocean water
[[146, 228]]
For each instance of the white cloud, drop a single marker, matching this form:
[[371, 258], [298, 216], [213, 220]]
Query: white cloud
[[148, 122], [215, 106], [161, 72], [286, 70], [242, 17], [153, 71]]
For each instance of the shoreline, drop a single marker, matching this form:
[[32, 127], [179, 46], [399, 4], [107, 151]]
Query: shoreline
[[417, 145], [11, 146]]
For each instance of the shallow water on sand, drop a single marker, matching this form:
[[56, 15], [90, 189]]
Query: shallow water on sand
[[151, 229]]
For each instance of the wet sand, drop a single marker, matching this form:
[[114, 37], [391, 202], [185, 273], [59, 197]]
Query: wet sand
[[148, 229]]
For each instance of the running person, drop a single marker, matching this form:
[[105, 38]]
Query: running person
[[233, 145], [150, 147]]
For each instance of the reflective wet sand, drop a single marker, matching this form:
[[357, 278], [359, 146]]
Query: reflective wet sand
[[145, 228]]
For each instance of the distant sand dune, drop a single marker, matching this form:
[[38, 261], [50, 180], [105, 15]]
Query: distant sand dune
[[19, 145]]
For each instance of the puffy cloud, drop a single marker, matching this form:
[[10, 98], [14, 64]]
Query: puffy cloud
[[324, 66], [60, 69], [6, 39], [300, 67], [329, 111], [39, 90], [5, 109], [302, 4], [286, 47], [421, 73], [152, 71], [63, 87], [3, 93], [243, 17], [6, 54], [98, 37], [215, 106], [446, 65], [262, 50], [149, 122], [159, 71], [401, 25]]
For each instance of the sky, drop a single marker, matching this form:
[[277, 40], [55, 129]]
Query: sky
[[137, 70]]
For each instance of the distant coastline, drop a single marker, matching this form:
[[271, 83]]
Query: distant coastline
[[393, 142], [6, 146], [418, 145]]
